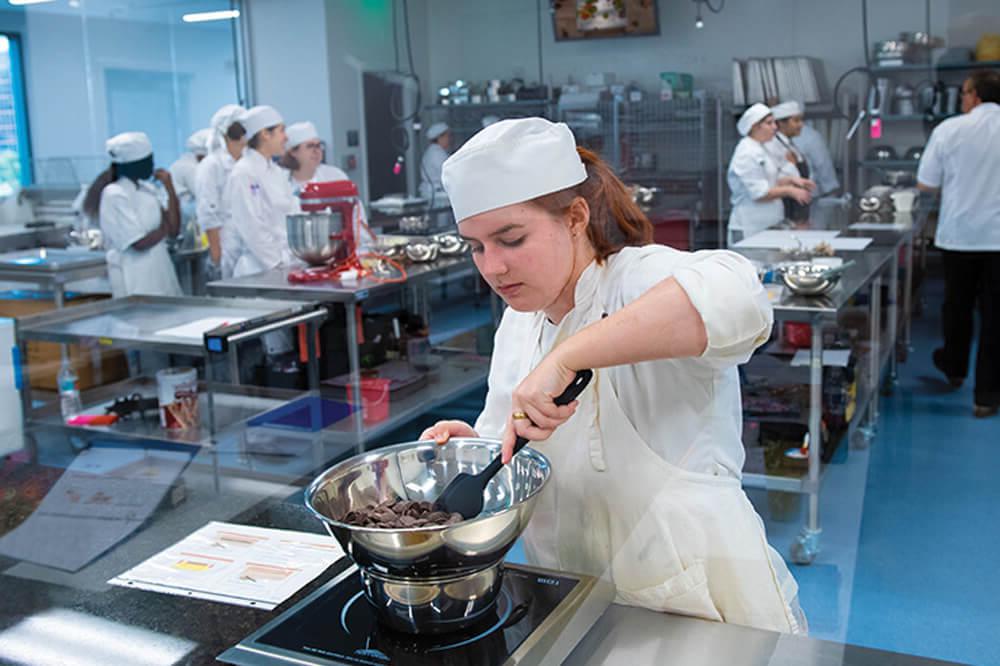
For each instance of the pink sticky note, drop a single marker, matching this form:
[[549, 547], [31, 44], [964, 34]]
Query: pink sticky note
[[876, 128]]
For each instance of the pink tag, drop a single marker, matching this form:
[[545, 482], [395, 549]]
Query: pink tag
[[876, 128]]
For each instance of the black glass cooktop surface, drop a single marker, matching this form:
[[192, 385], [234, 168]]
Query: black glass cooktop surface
[[337, 625]]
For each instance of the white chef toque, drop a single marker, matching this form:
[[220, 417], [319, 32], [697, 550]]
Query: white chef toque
[[436, 130], [786, 110], [259, 118], [197, 143], [510, 162], [751, 117], [299, 133], [128, 147]]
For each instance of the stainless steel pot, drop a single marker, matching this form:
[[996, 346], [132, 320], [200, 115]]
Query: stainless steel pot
[[429, 579], [808, 279], [310, 236]]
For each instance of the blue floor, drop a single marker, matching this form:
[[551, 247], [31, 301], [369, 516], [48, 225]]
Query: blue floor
[[910, 558]]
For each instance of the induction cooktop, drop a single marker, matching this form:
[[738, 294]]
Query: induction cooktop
[[539, 617]]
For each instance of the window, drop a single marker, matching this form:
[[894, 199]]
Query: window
[[15, 157]]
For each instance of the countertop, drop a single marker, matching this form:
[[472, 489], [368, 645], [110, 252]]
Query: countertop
[[47, 615]]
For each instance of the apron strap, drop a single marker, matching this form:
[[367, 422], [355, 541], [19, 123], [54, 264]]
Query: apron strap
[[595, 443]]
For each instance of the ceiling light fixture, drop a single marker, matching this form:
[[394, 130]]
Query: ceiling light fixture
[[699, 23], [201, 17], [18, 3]]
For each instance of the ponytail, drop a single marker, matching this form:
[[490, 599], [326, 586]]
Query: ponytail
[[616, 221], [92, 202]]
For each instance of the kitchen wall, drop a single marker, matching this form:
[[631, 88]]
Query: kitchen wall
[[483, 40], [66, 58]]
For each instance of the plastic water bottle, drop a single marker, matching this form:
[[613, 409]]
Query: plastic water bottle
[[69, 392]]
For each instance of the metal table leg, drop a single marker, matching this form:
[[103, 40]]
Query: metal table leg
[[312, 330], [211, 420], [59, 295], [875, 362], [908, 293], [806, 546], [354, 364], [892, 311], [234, 365]]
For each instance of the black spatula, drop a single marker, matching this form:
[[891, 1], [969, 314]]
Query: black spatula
[[464, 494]]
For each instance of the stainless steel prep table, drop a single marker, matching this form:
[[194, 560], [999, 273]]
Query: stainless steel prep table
[[52, 268], [462, 373], [138, 322], [867, 272], [21, 236]]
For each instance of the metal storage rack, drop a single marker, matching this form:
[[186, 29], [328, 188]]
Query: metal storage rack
[[464, 120], [671, 145]]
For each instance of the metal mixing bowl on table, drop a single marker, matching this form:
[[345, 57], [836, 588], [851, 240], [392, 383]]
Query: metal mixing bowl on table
[[429, 579], [312, 237]]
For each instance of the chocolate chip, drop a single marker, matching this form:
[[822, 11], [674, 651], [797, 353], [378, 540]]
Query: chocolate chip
[[397, 514]]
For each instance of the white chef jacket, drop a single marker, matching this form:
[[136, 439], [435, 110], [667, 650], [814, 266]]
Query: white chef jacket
[[210, 182], [961, 158], [258, 197], [813, 147], [183, 174], [127, 213], [752, 173], [430, 172], [689, 410]]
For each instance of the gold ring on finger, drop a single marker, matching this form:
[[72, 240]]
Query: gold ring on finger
[[518, 415]]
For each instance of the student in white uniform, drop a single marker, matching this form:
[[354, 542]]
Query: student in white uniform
[[755, 178], [259, 197], [439, 136], [226, 147], [645, 488], [134, 219], [303, 159], [813, 145], [961, 162], [784, 151], [182, 171]]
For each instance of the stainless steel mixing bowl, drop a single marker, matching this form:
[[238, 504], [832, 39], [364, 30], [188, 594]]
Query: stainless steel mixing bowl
[[430, 579], [808, 279], [310, 236]]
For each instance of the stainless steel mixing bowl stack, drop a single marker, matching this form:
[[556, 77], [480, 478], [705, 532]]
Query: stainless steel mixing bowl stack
[[310, 236], [430, 579]]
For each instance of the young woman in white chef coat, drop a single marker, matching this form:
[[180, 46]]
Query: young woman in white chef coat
[[645, 486], [226, 147], [756, 179], [135, 218], [259, 197]]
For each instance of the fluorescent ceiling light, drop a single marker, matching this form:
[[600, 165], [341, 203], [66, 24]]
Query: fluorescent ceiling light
[[200, 17], [27, 2]]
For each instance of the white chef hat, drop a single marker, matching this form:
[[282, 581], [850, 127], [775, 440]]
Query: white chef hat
[[509, 162], [299, 133], [751, 117], [786, 110], [489, 120], [260, 117], [128, 147], [198, 142], [436, 130], [226, 116]]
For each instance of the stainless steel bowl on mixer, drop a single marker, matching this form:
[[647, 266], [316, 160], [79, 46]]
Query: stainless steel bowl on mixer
[[310, 236], [438, 578]]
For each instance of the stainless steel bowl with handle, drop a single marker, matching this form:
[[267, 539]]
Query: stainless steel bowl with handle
[[429, 579], [310, 236], [808, 279]]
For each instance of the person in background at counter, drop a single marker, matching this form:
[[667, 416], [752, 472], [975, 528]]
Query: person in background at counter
[[783, 150], [258, 197], [755, 178], [134, 221], [962, 162], [439, 136], [228, 142], [182, 171], [814, 147], [645, 487], [304, 157]]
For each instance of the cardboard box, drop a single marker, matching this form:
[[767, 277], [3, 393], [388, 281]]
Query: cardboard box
[[95, 366]]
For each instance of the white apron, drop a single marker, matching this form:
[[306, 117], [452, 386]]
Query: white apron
[[669, 539], [151, 271]]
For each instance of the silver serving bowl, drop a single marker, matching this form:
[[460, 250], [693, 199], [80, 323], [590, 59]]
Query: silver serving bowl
[[422, 252], [429, 579], [310, 236], [807, 279]]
